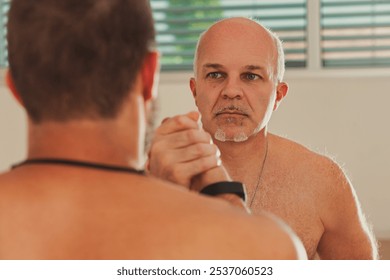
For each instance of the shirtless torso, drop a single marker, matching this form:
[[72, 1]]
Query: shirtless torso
[[76, 213], [310, 192]]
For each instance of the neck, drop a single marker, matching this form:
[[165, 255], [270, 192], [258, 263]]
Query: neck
[[102, 141], [237, 156], [117, 142]]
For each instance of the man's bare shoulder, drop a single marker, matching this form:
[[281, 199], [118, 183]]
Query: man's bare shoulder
[[314, 174], [249, 236], [7, 180], [271, 238], [305, 161], [253, 237]]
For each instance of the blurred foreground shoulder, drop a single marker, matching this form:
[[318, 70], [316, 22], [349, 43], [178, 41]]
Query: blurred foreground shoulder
[[223, 231], [261, 236], [275, 239]]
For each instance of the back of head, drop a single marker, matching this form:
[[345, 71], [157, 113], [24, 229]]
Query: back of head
[[76, 59]]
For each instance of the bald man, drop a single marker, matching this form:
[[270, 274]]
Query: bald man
[[237, 85]]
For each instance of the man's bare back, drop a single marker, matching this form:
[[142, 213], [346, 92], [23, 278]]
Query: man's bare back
[[76, 213]]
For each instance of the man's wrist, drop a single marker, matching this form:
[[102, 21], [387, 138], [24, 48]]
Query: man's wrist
[[216, 174], [225, 187]]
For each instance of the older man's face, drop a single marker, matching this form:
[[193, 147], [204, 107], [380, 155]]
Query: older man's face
[[235, 87]]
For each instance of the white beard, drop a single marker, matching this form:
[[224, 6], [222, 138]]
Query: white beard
[[220, 135]]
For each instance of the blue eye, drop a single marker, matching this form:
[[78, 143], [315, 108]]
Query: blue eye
[[214, 75], [251, 76]]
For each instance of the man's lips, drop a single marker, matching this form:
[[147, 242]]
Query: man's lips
[[231, 113]]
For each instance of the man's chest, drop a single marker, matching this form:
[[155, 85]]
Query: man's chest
[[293, 202]]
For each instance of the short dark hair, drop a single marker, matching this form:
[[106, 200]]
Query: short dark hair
[[75, 59]]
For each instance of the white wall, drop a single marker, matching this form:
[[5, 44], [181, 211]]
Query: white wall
[[13, 131], [343, 114]]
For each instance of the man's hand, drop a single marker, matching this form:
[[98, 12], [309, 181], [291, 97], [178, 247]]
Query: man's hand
[[181, 150], [183, 153]]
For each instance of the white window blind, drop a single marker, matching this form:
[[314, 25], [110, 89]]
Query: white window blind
[[355, 33], [179, 23], [4, 6]]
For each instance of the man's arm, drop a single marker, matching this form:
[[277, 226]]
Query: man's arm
[[346, 234]]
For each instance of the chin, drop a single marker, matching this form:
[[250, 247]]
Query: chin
[[228, 135]]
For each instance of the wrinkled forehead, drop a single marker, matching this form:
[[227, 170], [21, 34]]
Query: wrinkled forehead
[[236, 43]]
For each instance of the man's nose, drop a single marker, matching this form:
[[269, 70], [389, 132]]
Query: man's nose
[[232, 90]]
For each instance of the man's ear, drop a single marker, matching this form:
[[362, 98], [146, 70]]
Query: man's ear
[[193, 89], [281, 92], [193, 86], [10, 83], [149, 72]]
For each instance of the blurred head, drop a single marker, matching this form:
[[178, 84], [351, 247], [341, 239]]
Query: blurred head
[[76, 59], [238, 78]]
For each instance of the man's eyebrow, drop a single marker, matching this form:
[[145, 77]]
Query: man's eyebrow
[[254, 67], [212, 65]]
